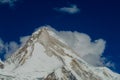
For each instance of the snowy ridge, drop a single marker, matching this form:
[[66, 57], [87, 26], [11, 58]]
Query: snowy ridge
[[45, 56]]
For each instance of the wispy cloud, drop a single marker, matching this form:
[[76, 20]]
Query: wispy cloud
[[10, 47], [72, 9], [1, 45], [10, 2], [23, 39]]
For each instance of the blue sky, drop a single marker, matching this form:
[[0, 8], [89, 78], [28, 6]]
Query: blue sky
[[98, 19]]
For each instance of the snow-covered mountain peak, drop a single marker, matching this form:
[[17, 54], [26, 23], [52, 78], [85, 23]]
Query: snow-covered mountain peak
[[46, 56]]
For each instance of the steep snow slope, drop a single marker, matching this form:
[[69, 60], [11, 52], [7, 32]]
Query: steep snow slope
[[45, 56]]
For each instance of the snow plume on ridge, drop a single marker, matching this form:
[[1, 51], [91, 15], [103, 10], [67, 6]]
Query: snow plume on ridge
[[23, 40]]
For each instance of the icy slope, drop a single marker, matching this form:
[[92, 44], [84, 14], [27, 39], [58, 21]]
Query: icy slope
[[45, 56]]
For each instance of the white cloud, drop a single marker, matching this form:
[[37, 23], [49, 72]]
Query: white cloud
[[72, 9], [81, 43], [10, 2]]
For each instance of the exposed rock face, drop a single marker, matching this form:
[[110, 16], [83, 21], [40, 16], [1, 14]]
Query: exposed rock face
[[67, 75], [47, 57], [1, 65]]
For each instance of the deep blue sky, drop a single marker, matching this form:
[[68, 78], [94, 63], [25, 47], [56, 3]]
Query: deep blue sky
[[99, 19]]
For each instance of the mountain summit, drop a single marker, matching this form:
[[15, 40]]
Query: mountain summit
[[45, 56]]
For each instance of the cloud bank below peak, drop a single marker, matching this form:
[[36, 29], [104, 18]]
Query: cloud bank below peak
[[89, 50], [81, 43], [72, 9]]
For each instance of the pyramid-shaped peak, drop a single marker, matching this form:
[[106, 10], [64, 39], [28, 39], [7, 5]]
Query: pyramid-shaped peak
[[46, 57], [42, 29], [43, 33]]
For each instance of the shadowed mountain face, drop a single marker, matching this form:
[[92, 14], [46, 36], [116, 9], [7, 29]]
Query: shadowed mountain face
[[45, 56]]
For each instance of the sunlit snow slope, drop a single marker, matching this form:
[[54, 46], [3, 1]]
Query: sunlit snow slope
[[45, 56]]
